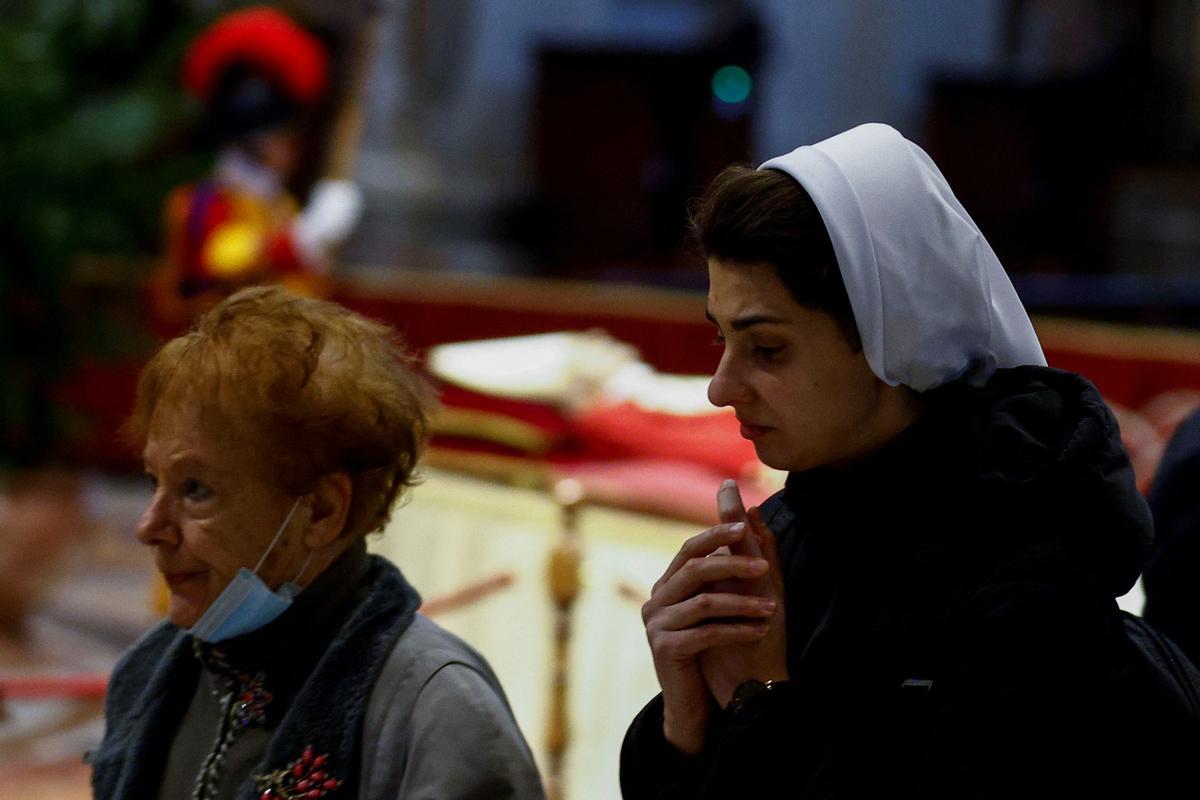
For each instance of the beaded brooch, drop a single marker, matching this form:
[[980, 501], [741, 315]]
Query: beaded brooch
[[251, 705], [306, 778]]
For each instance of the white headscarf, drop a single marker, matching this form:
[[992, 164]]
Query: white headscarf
[[931, 300]]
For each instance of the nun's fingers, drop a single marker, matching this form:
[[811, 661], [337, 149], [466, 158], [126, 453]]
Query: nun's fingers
[[696, 573], [711, 608], [769, 547], [701, 545], [730, 508], [682, 647]]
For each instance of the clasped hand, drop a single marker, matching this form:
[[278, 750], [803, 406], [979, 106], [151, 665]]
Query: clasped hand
[[715, 619]]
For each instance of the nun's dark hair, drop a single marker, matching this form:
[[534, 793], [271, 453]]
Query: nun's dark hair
[[752, 215]]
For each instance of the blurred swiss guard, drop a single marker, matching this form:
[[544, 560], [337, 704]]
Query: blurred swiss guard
[[262, 78]]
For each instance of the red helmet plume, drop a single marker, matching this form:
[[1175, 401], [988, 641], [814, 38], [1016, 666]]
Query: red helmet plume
[[265, 39]]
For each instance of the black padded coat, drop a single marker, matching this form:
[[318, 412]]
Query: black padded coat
[[951, 618]]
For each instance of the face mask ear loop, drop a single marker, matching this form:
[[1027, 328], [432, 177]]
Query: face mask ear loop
[[303, 567], [282, 528]]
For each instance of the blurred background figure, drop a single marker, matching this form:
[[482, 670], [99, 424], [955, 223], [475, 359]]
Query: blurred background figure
[[261, 77], [1172, 572]]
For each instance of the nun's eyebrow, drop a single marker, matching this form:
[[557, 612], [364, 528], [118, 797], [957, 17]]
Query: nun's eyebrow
[[749, 321]]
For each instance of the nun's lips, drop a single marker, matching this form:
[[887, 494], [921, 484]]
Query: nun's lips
[[752, 432]]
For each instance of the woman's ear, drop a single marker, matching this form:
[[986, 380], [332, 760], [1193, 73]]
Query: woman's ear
[[330, 507]]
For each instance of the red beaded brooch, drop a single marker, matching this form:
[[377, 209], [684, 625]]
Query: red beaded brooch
[[306, 778]]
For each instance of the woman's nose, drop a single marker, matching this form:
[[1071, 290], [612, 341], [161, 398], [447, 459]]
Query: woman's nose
[[726, 387], [156, 525]]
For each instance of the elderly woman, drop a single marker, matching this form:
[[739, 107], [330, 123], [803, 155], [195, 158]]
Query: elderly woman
[[927, 609], [277, 434]]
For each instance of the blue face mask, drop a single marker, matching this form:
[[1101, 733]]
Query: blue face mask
[[246, 604]]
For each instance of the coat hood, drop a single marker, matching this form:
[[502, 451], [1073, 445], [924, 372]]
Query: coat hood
[[930, 298], [1026, 471], [1047, 458]]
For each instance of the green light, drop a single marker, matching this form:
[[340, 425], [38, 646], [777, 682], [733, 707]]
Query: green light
[[731, 84]]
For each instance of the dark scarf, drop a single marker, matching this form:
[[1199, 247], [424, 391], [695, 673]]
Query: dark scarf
[[320, 732]]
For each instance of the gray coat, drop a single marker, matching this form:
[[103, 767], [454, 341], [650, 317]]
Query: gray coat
[[438, 726], [351, 690]]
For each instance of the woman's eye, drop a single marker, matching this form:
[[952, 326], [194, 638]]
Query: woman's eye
[[767, 353], [718, 340], [195, 490], [150, 479]]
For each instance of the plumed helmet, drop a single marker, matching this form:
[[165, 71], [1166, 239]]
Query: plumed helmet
[[255, 68]]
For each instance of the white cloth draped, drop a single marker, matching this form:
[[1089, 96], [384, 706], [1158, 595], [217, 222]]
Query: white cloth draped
[[931, 299]]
